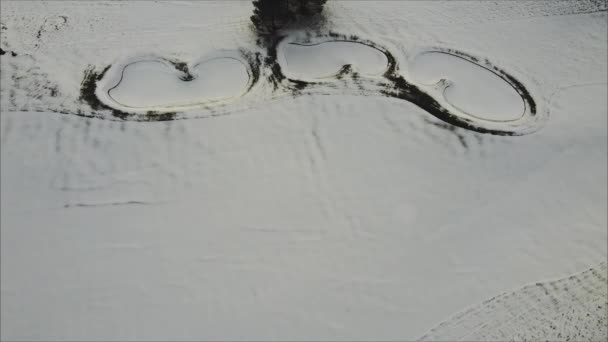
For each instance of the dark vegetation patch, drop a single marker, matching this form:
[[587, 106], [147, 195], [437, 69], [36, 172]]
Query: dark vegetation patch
[[270, 42], [269, 16], [298, 84], [88, 86], [357, 79], [53, 91], [183, 67], [158, 116], [523, 92], [3, 52], [254, 61], [345, 70], [121, 115], [276, 77]]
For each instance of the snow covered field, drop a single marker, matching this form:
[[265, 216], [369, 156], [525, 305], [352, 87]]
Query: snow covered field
[[408, 170]]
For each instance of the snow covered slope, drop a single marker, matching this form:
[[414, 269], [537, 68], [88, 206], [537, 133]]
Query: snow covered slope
[[331, 203], [570, 309]]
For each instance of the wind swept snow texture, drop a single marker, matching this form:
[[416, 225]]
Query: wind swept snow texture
[[569, 309], [349, 207]]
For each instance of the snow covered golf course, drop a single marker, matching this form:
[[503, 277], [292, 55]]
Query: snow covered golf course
[[406, 170]]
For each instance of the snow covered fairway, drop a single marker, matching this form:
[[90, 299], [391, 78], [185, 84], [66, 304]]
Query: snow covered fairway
[[408, 170]]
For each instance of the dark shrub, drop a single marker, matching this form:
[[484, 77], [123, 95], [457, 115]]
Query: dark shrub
[[271, 15]]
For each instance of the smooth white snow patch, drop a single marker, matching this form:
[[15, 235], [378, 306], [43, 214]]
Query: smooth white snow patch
[[157, 83], [470, 88], [318, 60]]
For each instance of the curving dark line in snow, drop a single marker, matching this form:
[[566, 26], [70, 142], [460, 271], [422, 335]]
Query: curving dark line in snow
[[512, 81], [107, 204]]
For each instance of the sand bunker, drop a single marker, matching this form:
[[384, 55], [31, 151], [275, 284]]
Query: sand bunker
[[469, 87], [160, 84], [325, 59]]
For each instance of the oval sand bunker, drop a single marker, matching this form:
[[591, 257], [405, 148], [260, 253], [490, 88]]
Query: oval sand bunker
[[471, 88], [327, 58], [157, 83]]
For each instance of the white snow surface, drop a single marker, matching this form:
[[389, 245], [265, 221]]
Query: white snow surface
[[473, 89], [333, 215], [154, 83], [327, 58]]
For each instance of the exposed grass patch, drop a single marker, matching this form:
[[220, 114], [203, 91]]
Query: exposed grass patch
[[88, 86]]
